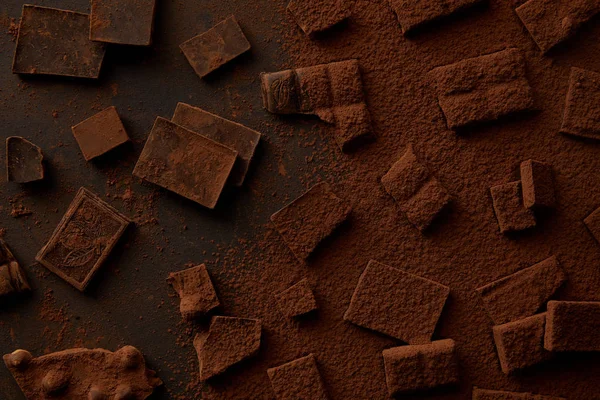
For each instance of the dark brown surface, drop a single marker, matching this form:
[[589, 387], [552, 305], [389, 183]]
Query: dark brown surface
[[573, 326], [12, 278], [298, 380], [537, 184], [414, 13], [592, 222], [511, 213], [100, 133], [297, 300], [582, 110], [128, 22], [486, 394], [196, 291], [24, 160], [316, 16]]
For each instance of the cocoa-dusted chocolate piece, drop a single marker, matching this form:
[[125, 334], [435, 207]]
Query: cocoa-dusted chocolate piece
[[231, 134], [128, 22], [12, 277], [537, 183], [551, 22], [298, 380], [56, 42], [100, 133], [418, 193], [83, 239], [316, 16], [523, 293], [397, 303], [573, 326], [196, 291], [297, 300], [520, 344], [228, 341], [83, 374], [483, 89], [215, 47], [484, 394], [511, 213], [415, 13], [582, 107], [592, 222], [24, 160], [185, 162], [309, 219]]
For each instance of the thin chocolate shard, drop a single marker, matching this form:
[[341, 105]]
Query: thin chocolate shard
[[297, 300], [418, 193], [397, 303], [215, 47], [483, 89], [413, 14], [12, 277], [56, 42], [128, 22], [228, 341], [83, 239], [100, 133], [484, 394], [309, 219], [511, 213], [592, 222], [24, 160], [83, 374], [317, 16], [573, 326], [185, 162], [537, 184], [523, 293], [298, 380], [410, 369], [196, 291], [231, 134], [582, 107]]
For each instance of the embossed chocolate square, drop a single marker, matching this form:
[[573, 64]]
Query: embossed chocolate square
[[83, 239]]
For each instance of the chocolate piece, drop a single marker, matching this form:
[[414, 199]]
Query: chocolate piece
[[122, 21], [523, 293], [56, 42], [298, 380], [100, 133], [316, 16], [185, 162], [396, 303], [537, 184], [520, 344], [231, 134], [508, 206], [309, 219], [198, 296], [297, 300], [592, 222], [415, 13], [551, 22], [12, 277], [215, 47], [410, 369], [83, 239], [582, 107], [83, 374], [24, 160], [483, 89], [418, 193], [483, 394], [573, 326]]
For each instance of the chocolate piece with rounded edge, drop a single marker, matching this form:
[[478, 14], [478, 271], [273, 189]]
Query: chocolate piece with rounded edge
[[196, 291], [128, 22], [537, 184], [484, 394], [297, 300], [511, 213], [413, 14], [573, 326], [24, 160], [317, 16], [298, 380], [100, 133], [581, 116], [12, 277]]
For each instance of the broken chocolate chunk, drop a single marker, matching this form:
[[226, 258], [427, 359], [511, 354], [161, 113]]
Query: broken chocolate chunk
[[215, 47], [573, 326], [83, 239], [592, 222], [127, 22], [100, 133], [198, 296], [24, 160], [413, 14], [484, 394], [537, 184], [316, 16], [511, 213], [56, 42], [297, 300], [12, 277], [185, 162], [582, 107], [298, 379]]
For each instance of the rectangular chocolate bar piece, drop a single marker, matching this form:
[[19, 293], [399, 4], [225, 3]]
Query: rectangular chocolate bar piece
[[56, 42], [592, 222], [316, 16], [128, 22], [83, 239], [298, 379], [196, 292], [483, 394], [415, 13], [100, 133], [296, 300], [573, 326], [511, 213], [185, 162], [231, 134], [582, 107], [538, 184]]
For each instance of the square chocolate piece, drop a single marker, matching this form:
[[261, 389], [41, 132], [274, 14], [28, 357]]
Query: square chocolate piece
[[538, 184], [316, 16], [83, 239], [185, 162], [297, 300], [100, 133], [483, 394], [196, 291], [309, 219], [215, 47], [231, 134], [511, 213], [415, 13], [396, 303], [582, 107], [592, 222], [573, 326], [128, 22], [483, 89], [56, 42], [298, 379]]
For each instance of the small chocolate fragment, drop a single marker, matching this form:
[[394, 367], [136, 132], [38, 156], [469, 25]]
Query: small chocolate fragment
[[100, 133], [12, 277], [415, 13], [537, 184], [198, 296], [56, 42], [410, 369], [509, 208], [83, 239], [309, 219], [228, 341], [24, 160], [573, 326], [582, 107], [122, 21], [231, 134], [483, 394], [396, 303], [592, 222], [215, 47], [316, 16], [298, 380], [297, 300]]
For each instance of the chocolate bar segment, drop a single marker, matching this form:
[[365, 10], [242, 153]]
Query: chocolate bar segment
[[511, 213], [24, 160], [298, 379], [316, 16], [573, 326], [196, 291], [100, 133], [297, 300], [538, 184], [413, 14], [12, 278], [128, 22], [582, 107]]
